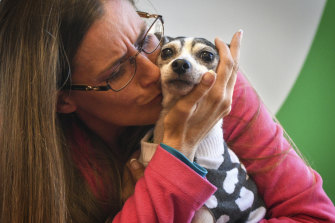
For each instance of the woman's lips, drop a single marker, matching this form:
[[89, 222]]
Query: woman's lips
[[156, 99]]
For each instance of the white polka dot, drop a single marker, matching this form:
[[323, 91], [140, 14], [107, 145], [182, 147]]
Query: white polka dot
[[223, 219], [233, 157], [230, 181], [245, 200], [212, 202], [256, 215]]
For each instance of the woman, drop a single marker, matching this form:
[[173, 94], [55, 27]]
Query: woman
[[64, 150]]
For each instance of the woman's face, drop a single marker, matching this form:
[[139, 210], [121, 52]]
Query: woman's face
[[110, 38]]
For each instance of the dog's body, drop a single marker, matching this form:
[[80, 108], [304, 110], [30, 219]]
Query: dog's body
[[183, 61]]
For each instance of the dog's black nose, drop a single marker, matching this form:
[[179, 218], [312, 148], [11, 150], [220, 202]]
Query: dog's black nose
[[181, 66]]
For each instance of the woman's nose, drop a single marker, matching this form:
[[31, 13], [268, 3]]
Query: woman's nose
[[148, 71]]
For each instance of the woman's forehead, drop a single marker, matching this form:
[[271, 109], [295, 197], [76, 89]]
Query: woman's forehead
[[108, 37], [120, 22]]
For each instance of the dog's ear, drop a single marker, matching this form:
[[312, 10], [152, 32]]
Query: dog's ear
[[166, 39]]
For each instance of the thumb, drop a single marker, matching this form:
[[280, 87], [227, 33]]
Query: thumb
[[136, 169], [200, 90]]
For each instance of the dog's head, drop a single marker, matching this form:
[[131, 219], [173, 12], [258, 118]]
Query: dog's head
[[183, 61]]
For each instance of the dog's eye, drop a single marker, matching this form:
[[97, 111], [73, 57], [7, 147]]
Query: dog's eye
[[207, 56], [166, 53]]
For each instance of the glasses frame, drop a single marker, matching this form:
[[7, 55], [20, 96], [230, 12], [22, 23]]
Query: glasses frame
[[132, 59]]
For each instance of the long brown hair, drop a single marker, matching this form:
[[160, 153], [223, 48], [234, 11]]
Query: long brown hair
[[38, 179]]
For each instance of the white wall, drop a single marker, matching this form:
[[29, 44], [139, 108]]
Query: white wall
[[277, 35]]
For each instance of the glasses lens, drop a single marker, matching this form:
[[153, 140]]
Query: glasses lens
[[154, 35], [122, 75]]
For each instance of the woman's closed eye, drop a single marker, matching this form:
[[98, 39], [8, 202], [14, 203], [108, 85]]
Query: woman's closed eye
[[121, 75], [117, 73], [148, 42]]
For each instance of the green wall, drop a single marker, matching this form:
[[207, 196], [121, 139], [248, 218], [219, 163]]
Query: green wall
[[308, 114]]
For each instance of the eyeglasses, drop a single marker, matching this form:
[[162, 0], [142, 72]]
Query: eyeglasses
[[124, 72]]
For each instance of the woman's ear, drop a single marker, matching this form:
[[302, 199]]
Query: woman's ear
[[65, 104]]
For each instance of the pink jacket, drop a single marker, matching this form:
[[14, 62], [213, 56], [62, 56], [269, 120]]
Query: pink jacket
[[171, 192]]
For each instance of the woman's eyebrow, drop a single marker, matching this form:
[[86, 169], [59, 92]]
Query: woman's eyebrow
[[141, 35], [124, 56]]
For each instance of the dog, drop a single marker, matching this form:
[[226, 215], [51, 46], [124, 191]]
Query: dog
[[183, 61]]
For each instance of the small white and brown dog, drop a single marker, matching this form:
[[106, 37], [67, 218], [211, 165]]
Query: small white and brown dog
[[182, 62]]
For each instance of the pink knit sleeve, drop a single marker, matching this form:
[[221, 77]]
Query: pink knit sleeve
[[291, 190], [170, 191]]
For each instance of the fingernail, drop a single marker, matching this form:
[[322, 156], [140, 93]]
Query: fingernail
[[134, 164], [212, 72], [209, 78], [240, 31]]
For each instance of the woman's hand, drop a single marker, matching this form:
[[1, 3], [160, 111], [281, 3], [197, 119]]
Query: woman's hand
[[133, 171], [203, 215], [189, 121]]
